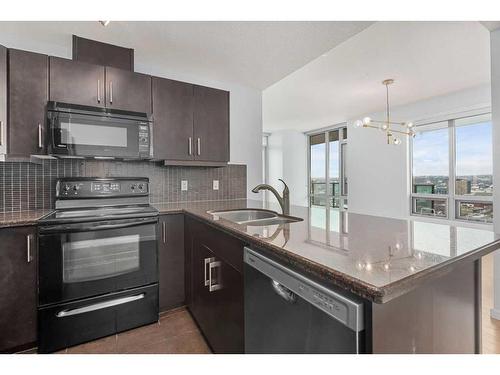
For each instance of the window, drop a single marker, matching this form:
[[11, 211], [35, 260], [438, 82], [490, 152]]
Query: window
[[452, 169], [328, 175]]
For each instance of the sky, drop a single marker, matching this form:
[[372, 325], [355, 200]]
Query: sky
[[318, 158], [473, 150]]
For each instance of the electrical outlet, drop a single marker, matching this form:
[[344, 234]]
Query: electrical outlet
[[184, 185], [215, 185]]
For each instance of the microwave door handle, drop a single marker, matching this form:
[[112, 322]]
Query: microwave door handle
[[92, 228]]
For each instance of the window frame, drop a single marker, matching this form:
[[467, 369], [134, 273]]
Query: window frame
[[343, 184], [451, 198]]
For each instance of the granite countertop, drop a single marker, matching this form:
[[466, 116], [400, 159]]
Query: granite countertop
[[375, 257], [22, 218]]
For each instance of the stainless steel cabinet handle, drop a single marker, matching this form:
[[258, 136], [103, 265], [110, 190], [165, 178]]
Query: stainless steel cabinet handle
[[199, 146], [111, 92], [99, 306], [40, 141], [29, 255], [164, 231], [207, 262], [213, 287], [98, 91], [1, 133], [190, 147]]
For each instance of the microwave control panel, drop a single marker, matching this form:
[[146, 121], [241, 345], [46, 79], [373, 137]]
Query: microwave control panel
[[95, 188]]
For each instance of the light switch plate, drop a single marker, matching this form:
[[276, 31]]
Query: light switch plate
[[184, 185], [215, 185]]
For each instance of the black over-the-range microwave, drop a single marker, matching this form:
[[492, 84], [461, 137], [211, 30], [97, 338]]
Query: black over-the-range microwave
[[77, 131]]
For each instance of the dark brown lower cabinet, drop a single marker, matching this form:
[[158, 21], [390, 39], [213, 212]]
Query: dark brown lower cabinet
[[216, 287], [171, 261], [18, 288]]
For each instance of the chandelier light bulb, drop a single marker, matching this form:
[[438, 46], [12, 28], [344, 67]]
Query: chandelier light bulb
[[367, 121], [397, 141], [409, 125], [384, 127], [358, 123]]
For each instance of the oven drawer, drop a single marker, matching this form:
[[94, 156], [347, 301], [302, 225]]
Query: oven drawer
[[73, 323]]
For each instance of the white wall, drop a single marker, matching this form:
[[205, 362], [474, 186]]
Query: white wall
[[495, 108], [245, 102], [378, 173], [288, 161]]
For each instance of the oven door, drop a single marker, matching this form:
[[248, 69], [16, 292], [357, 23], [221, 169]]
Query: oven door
[[82, 135], [89, 259]]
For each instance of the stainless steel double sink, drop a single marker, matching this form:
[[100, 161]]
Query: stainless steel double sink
[[253, 217]]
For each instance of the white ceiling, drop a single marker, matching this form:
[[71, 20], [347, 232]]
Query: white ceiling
[[426, 59], [255, 54]]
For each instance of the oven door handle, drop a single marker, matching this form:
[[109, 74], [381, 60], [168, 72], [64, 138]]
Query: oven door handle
[[82, 227]]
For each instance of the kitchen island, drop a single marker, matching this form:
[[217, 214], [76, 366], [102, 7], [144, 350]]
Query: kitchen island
[[420, 281]]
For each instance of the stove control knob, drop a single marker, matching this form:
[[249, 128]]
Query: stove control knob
[[66, 188], [76, 188], [132, 187], [141, 186]]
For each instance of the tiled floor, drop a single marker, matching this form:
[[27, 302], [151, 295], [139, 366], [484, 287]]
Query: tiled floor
[[490, 327], [175, 333]]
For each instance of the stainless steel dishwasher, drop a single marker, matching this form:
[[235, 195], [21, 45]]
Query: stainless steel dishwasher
[[286, 312]]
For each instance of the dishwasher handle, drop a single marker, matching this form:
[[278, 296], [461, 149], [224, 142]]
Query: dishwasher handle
[[283, 292]]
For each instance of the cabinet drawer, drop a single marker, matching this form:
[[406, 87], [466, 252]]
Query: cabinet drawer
[[76, 322]]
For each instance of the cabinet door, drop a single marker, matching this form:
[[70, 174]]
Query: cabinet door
[[211, 124], [171, 261], [216, 292], [3, 100], [227, 302], [18, 288], [173, 119], [128, 91], [202, 302], [28, 94], [76, 82]]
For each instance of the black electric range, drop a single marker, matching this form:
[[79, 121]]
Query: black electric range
[[98, 261]]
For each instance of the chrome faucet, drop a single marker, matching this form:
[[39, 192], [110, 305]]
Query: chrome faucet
[[283, 201]]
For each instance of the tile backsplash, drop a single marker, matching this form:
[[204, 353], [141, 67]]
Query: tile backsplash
[[27, 186]]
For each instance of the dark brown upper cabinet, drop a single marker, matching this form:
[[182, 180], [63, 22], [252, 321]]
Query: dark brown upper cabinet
[[76, 82], [18, 288], [211, 124], [128, 90], [191, 123], [103, 54], [3, 100], [173, 105], [27, 100]]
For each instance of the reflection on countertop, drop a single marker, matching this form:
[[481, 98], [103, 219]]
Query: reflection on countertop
[[376, 257]]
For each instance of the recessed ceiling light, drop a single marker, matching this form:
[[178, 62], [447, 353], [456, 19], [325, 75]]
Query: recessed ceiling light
[[105, 23]]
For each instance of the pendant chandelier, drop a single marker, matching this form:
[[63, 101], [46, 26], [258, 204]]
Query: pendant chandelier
[[391, 128]]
